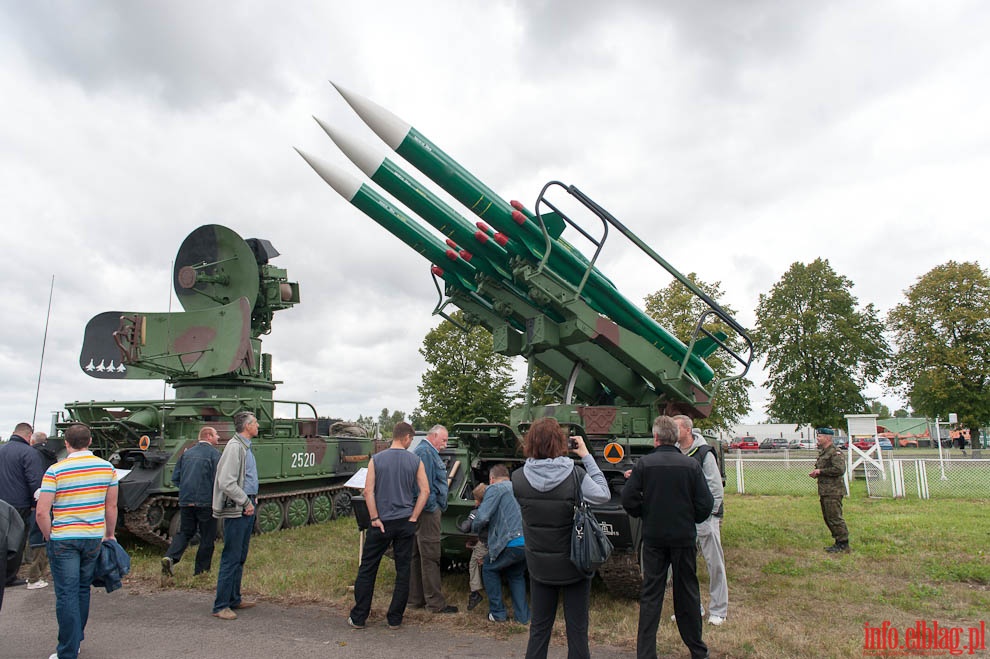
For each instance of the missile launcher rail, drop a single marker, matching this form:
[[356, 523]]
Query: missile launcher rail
[[513, 273]]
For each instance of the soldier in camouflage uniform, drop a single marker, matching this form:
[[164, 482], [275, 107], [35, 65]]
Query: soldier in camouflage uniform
[[829, 468]]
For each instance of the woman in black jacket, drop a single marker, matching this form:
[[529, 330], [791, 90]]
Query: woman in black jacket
[[546, 489]]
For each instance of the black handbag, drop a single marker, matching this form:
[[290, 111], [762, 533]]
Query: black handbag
[[590, 547]]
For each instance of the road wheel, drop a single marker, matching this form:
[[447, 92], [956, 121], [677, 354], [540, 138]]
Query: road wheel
[[268, 516], [342, 504], [322, 508], [296, 512]]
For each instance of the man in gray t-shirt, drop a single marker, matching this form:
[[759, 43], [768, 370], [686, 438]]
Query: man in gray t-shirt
[[390, 490]]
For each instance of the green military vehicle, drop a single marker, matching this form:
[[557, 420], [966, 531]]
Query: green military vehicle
[[514, 274], [211, 355]]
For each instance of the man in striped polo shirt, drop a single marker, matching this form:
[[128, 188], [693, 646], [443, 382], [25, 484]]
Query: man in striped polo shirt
[[77, 510]]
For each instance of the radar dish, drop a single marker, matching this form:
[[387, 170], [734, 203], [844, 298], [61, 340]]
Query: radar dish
[[214, 267]]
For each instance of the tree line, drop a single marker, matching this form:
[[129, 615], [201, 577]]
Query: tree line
[[819, 346]]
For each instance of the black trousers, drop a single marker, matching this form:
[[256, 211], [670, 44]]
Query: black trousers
[[687, 599], [191, 520], [400, 533], [543, 610]]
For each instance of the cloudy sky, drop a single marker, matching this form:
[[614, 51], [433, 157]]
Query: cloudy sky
[[734, 137]]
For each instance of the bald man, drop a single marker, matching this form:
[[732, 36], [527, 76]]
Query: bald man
[[194, 475]]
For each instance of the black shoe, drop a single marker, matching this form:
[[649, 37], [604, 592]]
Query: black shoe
[[474, 599], [21, 582], [447, 609]]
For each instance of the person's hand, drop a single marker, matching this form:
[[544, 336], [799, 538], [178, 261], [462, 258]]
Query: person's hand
[[627, 473], [814, 473], [249, 509], [579, 449], [378, 524]]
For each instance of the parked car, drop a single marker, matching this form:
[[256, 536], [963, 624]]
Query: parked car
[[745, 444], [863, 444], [773, 444], [840, 442], [802, 444], [737, 441]]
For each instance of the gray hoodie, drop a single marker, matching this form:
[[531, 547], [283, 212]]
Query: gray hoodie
[[710, 467], [547, 473]]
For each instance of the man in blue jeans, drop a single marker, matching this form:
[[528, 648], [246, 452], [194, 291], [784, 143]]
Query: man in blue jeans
[[234, 494], [506, 554], [82, 492]]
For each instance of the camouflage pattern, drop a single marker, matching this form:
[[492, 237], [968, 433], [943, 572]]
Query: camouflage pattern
[[832, 513], [831, 466]]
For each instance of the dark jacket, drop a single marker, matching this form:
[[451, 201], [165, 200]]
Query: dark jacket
[[668, 490], [545, 490], [11, 532], [112, 566], [194, 474], [21, 470]]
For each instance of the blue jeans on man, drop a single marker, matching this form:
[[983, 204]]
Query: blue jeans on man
[[512, 563], [236, 539], [73, 564]]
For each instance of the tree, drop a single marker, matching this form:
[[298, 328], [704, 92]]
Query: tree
[[819, 350], [878, 408], [677, 309], [546, 389], [387, 421], [901, 414], [465, 379], [942, 340]]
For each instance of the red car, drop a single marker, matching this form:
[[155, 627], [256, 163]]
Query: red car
[[745, 444]]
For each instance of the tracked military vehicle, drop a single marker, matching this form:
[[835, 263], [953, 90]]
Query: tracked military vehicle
[[515, 274], [211, 355]]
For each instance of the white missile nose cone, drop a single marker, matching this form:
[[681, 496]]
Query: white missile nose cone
[[356, 151], [386, 125], [346, 185]]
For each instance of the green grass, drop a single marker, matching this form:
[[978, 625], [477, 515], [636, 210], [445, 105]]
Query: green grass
[[911, 560]]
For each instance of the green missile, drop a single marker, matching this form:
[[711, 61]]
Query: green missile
[[493, 257], [393, 220], [599, 292]]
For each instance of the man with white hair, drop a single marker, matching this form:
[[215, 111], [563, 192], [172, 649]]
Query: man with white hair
[[691, 443], [424, 583]]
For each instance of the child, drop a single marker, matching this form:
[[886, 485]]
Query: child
[[479, 550]]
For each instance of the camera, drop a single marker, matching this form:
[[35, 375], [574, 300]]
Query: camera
[[572, 444]]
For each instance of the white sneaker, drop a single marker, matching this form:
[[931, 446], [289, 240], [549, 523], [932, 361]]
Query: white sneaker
[[716, 620], [34, 585]]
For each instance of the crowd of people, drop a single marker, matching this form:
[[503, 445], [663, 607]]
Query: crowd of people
[[523, 521]]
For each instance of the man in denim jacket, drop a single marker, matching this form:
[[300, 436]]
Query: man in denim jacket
[[194, 475], [424, 583]]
